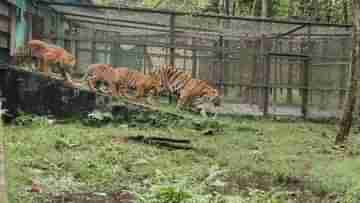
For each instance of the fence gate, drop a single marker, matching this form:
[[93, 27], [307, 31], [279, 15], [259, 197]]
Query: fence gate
[[286, 84]]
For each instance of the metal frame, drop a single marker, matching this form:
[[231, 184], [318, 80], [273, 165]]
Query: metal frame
[[174, 32]]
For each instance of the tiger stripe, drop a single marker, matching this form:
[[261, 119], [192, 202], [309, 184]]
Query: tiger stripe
[[190, 92]]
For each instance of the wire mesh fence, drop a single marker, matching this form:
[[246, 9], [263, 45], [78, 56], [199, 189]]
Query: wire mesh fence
[[261, 66]]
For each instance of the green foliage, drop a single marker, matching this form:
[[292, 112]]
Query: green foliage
[[172, 195], [29, 120], [249, 160]]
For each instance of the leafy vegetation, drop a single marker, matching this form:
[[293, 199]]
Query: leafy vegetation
[[244, 160], [334, 11]]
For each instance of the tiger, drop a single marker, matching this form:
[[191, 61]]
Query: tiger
[[120, 79], [49, 54], [143, 84], [102, 73], [190, 92]]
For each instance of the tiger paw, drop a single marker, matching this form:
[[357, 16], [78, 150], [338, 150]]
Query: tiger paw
[[69, 84]]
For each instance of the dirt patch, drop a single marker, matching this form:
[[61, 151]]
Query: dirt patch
[[294, 188]]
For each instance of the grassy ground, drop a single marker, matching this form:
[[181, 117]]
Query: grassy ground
[[249, 160]]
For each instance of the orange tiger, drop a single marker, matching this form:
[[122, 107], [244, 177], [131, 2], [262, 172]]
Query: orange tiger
[[49, 54], [143, 84], [104, 73], [191, 92], [120, 79]]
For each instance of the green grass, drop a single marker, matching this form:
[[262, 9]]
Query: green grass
[[251, 160]]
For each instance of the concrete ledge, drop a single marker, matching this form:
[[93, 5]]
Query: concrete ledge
[[35, 93]]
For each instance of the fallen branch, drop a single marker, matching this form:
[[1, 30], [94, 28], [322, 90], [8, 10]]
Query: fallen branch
[[164, 142]]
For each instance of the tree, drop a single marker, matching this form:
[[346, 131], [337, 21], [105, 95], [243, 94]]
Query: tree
[[265, 8], [346, 120]]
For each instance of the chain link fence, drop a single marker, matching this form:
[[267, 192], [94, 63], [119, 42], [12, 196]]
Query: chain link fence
[[261, 66]]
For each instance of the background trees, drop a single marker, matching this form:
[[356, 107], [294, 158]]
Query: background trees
[[332, 11]]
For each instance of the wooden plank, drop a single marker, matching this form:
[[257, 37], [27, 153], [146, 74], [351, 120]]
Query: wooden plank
[[140, 43], [290, 31], [330, 64], [258, 85], [288, 55]]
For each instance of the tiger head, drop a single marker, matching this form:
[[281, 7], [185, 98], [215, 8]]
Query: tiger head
[[70, 60], [94, 70], [213, 96], [37, 44]]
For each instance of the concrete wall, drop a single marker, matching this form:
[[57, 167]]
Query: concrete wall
[[34, 93]]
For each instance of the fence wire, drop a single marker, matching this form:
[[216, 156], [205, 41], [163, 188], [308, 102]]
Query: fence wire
[[252, 62]]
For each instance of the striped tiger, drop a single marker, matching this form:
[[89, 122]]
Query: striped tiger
[[102, 73], [193, 93], [121, 79], [50, 54], [134, 80]]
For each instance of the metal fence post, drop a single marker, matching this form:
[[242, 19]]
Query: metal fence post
[[306, 75], [144, 60], [266, 84], [93, 48], [172, 45], [194, 64], [172, 39], [221, 65], [305, 96]]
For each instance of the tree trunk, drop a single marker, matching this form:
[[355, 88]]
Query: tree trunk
[[345, 11], [265, 8], [346, 120], [233, 9], [255, 8], [329, 13], [227, 7], [315, 8]]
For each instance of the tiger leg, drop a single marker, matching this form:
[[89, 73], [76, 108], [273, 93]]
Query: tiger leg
[[122, 90], [203, 113], [41, 65], [65, 75], [113, 89], [183, 100], [91, 83], [216, 111], [45, 66], [140, 92]]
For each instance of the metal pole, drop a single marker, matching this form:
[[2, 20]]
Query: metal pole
[[266, 85], [172, 43], [93, 48], [305, 95], [194, 64], [304, 109], [172, 39]]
